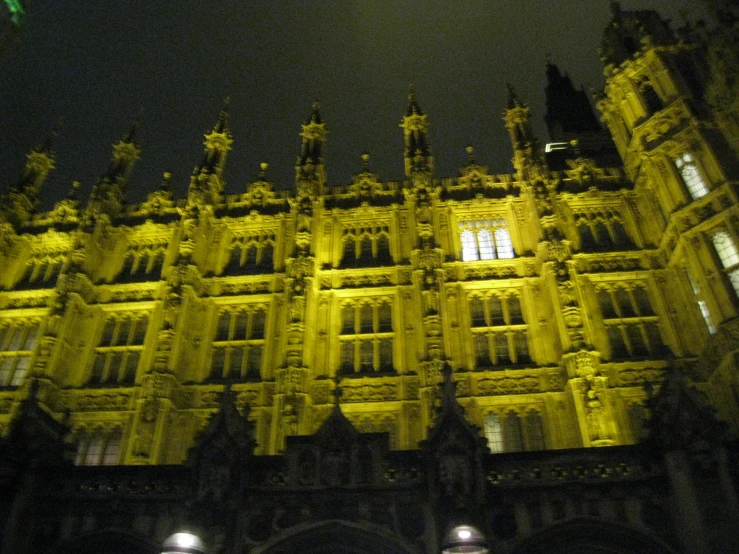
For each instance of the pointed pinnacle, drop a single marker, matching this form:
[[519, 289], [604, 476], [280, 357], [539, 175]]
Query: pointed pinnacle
[[315, 115], [513, 101], [72, 194], [413, 107], [131, 137], [48, 146], [221, 125]]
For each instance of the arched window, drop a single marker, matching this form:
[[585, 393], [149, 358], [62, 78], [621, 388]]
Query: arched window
[[534, 431], [513, 433], [469, 246], [112, 452], [637, 420], [503, 243], [493, 433], [477, 312], [691, 175], [94, 452]]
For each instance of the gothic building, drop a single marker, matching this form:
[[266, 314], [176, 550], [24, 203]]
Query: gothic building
[[548, 356]]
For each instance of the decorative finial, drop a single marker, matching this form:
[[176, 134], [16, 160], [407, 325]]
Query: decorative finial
[[72, 194], [263, 170], [166, 176], [365, 162], [470, 154]]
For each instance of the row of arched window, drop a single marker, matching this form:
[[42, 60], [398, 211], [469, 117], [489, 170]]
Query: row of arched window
[[512, 432], [99, 447]]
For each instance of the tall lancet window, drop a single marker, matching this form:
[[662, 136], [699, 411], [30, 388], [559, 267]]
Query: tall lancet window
[[692, 177], [485, 239]]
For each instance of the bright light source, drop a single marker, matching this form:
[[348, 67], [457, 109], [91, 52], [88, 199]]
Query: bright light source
[[464, 539], [552, 146], [183, 543]]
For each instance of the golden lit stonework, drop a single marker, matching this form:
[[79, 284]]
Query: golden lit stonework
[[549, 305]]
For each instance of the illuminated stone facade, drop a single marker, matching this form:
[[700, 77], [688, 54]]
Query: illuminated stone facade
[[561, 296]]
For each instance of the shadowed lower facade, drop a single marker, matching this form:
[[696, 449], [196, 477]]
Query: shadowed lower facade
[[548, 355]]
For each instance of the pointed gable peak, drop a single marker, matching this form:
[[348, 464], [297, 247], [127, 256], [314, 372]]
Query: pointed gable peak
[[227, 427], [337, 429], [680, 419], [451, 423]]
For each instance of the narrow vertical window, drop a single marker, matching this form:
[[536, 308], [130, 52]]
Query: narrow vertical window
[[485, 244], [493, 433], [513, 433], [728, 255], [113, 448], [503, 243], [534, 431], [692, 177], [469, 246]]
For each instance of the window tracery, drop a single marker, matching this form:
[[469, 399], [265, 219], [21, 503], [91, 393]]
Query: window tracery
[[485, 239], [702, 305], [499, 332], [602, 230], [631, 324], [366, 336], [251, 254], [691, 175], [42, 271], [120, 347], [728, 255], [17, 342], [238, 344], [514, 430], [99, 447], [143, 263], [366, 246]]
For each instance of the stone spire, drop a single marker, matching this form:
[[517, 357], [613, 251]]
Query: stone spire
[[526, 148], [20, 202], [206, 182], [108, 195], [217, 144], [310, 171], [415, 127]]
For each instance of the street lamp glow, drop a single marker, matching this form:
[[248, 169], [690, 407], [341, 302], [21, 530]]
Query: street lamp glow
[[464, 539], [183, 543]]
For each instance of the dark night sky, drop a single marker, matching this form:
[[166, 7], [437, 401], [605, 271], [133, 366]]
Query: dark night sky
[[171, 63]]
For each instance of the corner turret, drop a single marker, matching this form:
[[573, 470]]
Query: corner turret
[[19, 204], [108, 195], [526, 148], [631, 31], [415, 127], [310, 171], [206, 182]]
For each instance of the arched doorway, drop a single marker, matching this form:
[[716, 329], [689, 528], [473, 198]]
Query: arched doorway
[[106, 542], [584, 536], [335, 537]]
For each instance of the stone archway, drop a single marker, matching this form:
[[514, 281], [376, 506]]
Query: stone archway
[[336, 537], [106, 542], [585, 536]]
